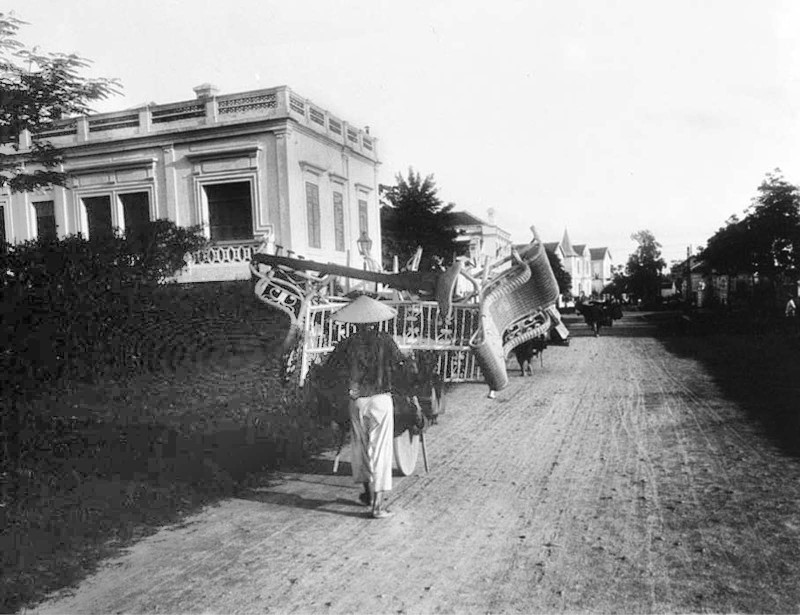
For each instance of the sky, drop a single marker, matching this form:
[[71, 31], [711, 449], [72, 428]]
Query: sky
[[601, 117]]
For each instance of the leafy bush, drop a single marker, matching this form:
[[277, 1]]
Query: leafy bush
[[149, 256], [60, 298], [161, 246]]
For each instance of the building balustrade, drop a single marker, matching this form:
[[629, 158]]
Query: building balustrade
[[229, 260], [225, 253], [275, 103]]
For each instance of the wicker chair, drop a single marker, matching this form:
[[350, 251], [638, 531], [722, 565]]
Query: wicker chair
[[515, 306]]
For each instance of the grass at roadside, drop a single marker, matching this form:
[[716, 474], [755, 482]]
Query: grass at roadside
[[199, 408], [756, 365]]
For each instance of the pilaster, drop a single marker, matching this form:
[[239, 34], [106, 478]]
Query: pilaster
[[82, 126], [171, 189], [145, 119], [282, 145], [60, 198]]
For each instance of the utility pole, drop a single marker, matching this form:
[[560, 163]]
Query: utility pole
[[689, 276]]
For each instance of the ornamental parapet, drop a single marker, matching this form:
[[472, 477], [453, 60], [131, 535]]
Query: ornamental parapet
[[279, 103]]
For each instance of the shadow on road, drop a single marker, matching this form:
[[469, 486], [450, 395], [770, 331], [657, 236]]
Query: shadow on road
[[295, 500]]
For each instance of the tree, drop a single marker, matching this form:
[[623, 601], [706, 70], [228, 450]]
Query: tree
[[36, 90], [774, 223], [727, 251], [413, 215], [619, 282], [563, 277], [644, 266], [767, 241]]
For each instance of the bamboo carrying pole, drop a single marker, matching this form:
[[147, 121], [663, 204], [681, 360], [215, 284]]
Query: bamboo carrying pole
[[424, 452]]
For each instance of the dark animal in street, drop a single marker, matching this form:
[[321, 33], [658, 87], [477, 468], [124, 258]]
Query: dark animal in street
[[527, 351], [598, 314]]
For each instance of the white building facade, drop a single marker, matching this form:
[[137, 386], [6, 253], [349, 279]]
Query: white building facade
[[601, 269], [484, 240], [590, 268], [266, 164]]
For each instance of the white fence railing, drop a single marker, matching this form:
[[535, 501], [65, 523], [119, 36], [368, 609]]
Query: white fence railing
[[417, 326]]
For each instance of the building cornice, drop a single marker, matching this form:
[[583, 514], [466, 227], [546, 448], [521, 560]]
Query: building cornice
[[310, 167], [115, 165], [234, 150]]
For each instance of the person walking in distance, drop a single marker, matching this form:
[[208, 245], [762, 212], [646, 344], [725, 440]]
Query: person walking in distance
[[373, 361]]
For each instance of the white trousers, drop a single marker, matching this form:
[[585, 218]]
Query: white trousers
[[372, 427]]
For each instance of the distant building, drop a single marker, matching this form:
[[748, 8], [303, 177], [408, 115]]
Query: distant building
[[481, 239], [555, 247], [260, 164], [590, 268], [601, 268]]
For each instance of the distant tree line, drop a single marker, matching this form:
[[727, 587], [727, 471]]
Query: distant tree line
[[765, 242], [642, 275]]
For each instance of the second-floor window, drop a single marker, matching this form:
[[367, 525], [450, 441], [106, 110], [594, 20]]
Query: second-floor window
[[136, 212], [45, 220], [98, 216], [338, 221], [230, 211], [312, 215]]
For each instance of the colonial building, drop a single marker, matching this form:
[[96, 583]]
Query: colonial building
[[590, 268], [482, 239], [601, 268], [259, 165]]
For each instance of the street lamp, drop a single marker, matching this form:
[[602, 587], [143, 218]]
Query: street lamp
[[364, 244]]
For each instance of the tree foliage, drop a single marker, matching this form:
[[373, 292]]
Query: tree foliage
[[644, 266], [563, 277], [766, 241], [413, 215], [60, 298], [36, 90], [619, 282]]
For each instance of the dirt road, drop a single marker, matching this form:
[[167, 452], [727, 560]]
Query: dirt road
[[616, 479]]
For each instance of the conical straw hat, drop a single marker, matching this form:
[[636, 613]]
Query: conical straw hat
[[364, 309]]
